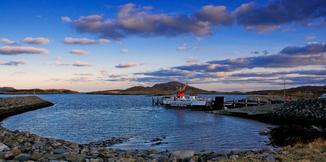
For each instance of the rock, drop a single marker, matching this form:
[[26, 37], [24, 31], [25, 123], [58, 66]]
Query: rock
[[9, 155], [36, 156], [3, 147], [59, 151], [270, 158], [74, 156], [22, 157], [184, 154], [96, 160], [15, 151], [53, 157]]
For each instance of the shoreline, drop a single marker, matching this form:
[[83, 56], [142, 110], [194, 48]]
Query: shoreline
[[21, 146]]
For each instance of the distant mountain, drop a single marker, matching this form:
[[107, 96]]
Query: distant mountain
[[4, 89], [299, 92], [7, 90], [157, 89]]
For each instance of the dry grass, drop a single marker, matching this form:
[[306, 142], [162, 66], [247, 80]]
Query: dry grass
[[302, 152], [313, 151]]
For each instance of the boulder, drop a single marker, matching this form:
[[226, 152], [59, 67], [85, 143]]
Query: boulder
[[183, 154], [3, 147], [22, 157]]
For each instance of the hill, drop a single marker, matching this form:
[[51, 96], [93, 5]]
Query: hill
[[4, 89], [297, 92], [8, 90], [157, 89]]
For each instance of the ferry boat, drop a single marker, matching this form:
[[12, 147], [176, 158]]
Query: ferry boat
[[180, 100]]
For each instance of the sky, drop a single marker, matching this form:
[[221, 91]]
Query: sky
[[221, 45]]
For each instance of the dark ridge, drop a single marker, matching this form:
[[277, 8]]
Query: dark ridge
[[157, 89]]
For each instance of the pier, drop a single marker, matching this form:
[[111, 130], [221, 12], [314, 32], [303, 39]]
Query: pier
[[218, 103]]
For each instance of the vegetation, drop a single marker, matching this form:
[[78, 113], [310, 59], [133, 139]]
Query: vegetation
[[301, 152], [298, 92]]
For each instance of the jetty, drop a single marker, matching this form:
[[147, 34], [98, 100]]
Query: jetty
[[215, 103], [16, 105]]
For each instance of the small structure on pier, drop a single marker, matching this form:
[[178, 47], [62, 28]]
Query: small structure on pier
[[182, 101]]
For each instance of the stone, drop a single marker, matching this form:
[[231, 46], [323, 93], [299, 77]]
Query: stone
[[9, 155], [74, 157], [3, 147], [53, 156], [15, 151], [183, 154], [270, 158], [59, 151], [96, 160], [22, 157], [36, 156]]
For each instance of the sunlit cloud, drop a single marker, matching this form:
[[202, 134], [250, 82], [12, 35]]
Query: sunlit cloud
[[79, 52], [182, 47], [104, 41], [135, 20], [124, 50], [6, 41], [81, 64], [13, 63], [229, 70], [17, 50], [70, 40], [128, 65], [65, 19], [39, 40]]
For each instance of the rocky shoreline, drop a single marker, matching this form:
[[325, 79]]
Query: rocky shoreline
[[22, 146]]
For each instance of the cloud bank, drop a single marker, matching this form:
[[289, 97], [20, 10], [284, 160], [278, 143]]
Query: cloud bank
[[229, 70], [136, 20]]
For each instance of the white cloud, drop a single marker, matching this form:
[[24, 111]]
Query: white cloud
[[16, 50], [70, 40], [65, 19], [39, 40], [183, 47], [191, 60], [104, 41], [124, 50], [78, 52], [81, 64], [84, 41], [13, 63], [6, 41], [128, 65]]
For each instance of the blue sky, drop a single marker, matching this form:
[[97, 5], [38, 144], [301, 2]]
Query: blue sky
[[95, 45]]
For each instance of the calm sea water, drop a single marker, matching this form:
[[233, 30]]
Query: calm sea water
[[85, 118]]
